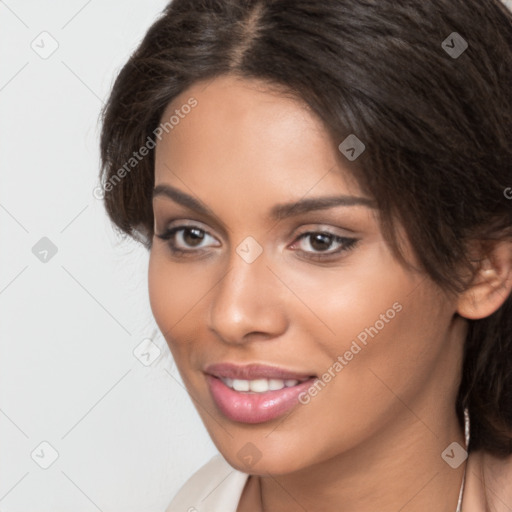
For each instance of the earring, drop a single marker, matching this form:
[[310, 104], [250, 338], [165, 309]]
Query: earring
[[466, 427]]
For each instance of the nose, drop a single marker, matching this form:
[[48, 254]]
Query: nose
[[247, 303]]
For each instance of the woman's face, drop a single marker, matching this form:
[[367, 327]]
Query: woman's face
[[311, 291]]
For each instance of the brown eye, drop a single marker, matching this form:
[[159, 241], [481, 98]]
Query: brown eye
[[321, 241], [318, 244], [193, 236], [188, 239]]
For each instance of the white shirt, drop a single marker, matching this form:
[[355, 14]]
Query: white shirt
[[214, 487]]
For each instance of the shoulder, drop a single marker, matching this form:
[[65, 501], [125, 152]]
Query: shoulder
[[214, 487], [490, 478]]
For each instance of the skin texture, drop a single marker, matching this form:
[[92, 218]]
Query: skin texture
[[372, 438]]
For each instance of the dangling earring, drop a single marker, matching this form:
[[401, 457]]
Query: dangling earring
[[466, 436], [466, 427]]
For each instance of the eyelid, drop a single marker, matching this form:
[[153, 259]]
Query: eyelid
[[182, 223], [168, 235], [323, 228], [346, 242], [180, 214], [335, 238]]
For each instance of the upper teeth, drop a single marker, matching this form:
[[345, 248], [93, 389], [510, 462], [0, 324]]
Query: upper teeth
[[259, 385]]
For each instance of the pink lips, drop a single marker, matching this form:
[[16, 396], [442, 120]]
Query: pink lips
[[247, 407]]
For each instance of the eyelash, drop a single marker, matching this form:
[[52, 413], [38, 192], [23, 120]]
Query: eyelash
[[346, 243]]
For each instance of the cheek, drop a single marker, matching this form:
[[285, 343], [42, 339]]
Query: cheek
[[161, 288], [362, 297], [374, 325], [175, 291], [388, 345], [371, 367]]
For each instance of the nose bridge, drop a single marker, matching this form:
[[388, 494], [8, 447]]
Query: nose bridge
[[246, 300]]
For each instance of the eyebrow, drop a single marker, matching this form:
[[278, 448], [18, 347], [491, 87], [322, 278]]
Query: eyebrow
[[277, 212]]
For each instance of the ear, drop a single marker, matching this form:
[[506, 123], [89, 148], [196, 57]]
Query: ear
[[491, 284]]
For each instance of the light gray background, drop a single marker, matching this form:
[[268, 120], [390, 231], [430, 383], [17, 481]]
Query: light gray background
[[126, 434]]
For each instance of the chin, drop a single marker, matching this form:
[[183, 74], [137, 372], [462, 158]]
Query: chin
[[259, 457]]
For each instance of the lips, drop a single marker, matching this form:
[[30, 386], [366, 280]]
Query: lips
[[255, 393], [253, 372]]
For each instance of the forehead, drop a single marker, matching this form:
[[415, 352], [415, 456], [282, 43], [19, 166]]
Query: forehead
[[241, 136]]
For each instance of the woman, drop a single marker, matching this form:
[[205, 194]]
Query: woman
[[324, 191]]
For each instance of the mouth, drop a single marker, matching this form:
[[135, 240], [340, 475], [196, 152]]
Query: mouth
[[259, 385], [255, 393], [254, 372]]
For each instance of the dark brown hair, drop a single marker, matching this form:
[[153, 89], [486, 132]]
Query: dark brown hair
[[437, 127]]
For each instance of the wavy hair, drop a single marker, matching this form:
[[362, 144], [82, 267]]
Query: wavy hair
[[437, 127]]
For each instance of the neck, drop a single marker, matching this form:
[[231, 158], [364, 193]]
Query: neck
[[400, 469]]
